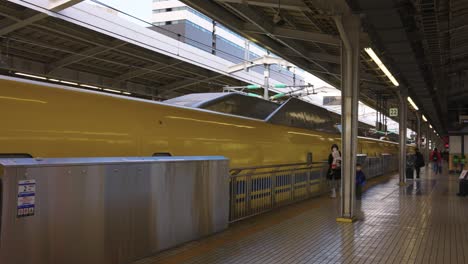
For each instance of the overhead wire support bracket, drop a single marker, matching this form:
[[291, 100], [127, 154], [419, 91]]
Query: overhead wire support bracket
[[241, 89]]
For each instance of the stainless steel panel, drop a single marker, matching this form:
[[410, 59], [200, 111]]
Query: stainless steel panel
[[111, 210]]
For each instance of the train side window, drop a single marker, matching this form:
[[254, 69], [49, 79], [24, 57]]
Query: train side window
[[14, 155], [162, 154]]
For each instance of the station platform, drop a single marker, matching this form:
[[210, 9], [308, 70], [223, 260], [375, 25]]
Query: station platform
[[423, 222]]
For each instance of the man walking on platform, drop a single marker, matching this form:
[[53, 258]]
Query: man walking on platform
[[436, 159]]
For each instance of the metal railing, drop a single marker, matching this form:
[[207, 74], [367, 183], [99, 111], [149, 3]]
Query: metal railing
[[254, 190], [378, 166]]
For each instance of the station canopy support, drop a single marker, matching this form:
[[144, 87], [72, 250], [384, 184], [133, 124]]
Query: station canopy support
[[426, 150], [418, 129], [403, 95], [349, 29]]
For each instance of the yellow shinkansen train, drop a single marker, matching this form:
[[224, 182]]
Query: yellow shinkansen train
[[46, 120]]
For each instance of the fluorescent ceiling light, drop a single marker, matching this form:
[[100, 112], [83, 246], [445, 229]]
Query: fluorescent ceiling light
[[381, 65], [72, 83], [114, 91], [90, 86], [424, 118], [412, 103], [30, 75], [430, 126]]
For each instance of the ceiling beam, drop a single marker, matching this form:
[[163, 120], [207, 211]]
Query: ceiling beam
[[142, 71], [283, 32], [22, 23], [59, 5], [166, 89], [295, 5], [220, 14], [54, 6], [89, 77], [317, 56], [267, 27], [162, 59], [329, 6], [89, 52]]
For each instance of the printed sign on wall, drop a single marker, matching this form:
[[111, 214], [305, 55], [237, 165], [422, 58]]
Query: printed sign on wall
[[26, 198]]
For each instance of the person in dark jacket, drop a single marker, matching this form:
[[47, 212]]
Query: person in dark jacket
[[419, 162], [334, 168], [436, 161], [360, 181]]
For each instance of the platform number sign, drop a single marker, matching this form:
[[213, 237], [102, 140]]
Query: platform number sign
[[26, 202], [393, 111]]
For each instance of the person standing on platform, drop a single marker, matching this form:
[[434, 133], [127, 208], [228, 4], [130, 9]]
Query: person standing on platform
[[334, 168], [436, 159], [463, 184], [360, 181], [462, 162], [419, 162], [455, 163]]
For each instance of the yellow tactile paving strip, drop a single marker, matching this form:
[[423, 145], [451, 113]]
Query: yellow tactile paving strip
[[423, 222]]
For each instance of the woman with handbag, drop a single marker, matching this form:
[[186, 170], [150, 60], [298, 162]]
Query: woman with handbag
[[334, 168]]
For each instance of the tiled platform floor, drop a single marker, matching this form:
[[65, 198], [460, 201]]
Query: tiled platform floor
[[423, 222]]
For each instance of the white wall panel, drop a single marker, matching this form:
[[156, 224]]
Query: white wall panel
[[455, 144]]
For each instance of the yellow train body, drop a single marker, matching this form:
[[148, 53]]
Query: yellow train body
[[45, 120]]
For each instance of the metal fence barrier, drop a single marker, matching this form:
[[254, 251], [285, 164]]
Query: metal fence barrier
[[255, 190], [378, 166]]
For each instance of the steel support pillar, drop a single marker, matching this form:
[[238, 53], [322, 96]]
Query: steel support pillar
[[349, 29], [462, 145], [432, 141], [418, 130], [427, 144], [266, 75], [402, 127]]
